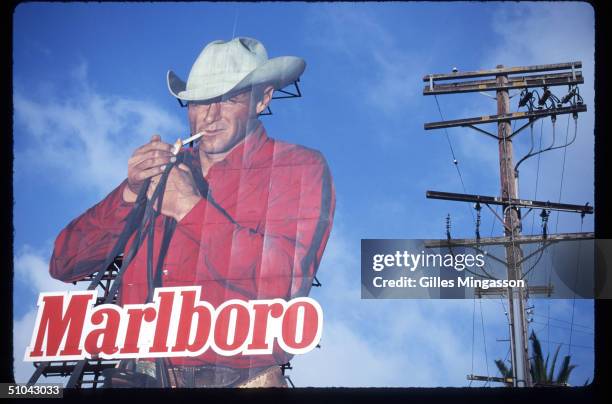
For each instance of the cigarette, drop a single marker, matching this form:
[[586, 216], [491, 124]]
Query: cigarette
[[179, 143]]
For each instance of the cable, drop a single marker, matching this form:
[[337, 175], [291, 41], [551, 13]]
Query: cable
[[554, 101], [534, 265], [455, 161], [564, 321], [563, 171], [550, 148], [494, 221], [530, 153], [473, 334], [501, 300], [565, 328], [560, 194], [563, 343], [559, 200], [484, 341], [548, 275], [486, 274], [535, 196], [575, 282]]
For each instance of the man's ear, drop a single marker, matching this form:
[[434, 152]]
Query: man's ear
[[265, 99]]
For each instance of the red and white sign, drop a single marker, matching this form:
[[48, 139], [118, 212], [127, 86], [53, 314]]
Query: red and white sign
[[177, 323]]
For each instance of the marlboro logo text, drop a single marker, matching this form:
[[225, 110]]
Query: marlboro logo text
[[177, 323]]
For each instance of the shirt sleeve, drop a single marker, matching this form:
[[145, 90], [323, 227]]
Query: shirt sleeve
[[278, 256], [85, 243]]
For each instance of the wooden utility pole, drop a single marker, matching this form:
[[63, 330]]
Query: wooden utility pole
[[501, 81], [514, 253]]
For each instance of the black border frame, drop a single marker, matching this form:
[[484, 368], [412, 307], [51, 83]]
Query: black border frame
[[595, 392]]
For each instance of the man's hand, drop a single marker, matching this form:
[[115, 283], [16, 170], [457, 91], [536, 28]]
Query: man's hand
[[147, 161], [181, 193]]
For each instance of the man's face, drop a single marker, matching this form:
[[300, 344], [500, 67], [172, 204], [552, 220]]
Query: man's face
[[224, 122]]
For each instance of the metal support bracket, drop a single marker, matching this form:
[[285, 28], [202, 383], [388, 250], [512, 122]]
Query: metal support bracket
[[476, 128], [525, 126], [287, 93], [501, 220]]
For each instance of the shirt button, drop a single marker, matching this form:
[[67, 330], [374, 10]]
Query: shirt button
[[165, 272]]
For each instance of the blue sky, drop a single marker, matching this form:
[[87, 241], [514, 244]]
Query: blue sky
[[89, 86]]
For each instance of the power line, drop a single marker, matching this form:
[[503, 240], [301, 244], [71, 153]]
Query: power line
[[564, 328], [574, 345], [494, 221], [557, 221], [562, 171], [563, 321], [560, 193], [473, 334], [484, 340], [575, 282], [455, 161], [535, 195]]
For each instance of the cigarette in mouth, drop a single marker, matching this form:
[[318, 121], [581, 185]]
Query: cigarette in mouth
[[179, 143]]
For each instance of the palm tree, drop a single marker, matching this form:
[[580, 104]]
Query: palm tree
[[541, 374], [505, 371]]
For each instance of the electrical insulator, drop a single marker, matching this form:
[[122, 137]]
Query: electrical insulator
[[545, 96], [525, 99], [569, 95]]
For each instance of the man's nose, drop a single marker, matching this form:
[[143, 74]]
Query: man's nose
[[213, 112]]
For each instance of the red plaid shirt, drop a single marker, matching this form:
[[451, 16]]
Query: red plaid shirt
[[281, 199]]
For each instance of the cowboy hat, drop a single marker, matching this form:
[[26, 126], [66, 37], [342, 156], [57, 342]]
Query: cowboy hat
[[229, 66]]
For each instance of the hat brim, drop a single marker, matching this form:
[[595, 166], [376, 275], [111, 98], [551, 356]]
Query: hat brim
[[278, 72]]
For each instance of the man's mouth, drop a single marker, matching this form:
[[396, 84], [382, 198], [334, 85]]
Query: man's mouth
[[212, 132]]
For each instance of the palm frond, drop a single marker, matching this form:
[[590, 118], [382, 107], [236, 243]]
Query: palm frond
[[503, 369], [539, 367], [565, 370], [551, 372]]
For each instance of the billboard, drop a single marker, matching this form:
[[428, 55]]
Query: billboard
[[252, 156]]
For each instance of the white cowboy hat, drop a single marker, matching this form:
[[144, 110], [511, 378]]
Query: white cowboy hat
[[229, 66]]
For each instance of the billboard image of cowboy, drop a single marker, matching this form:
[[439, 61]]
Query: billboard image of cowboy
[[240, 214]]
